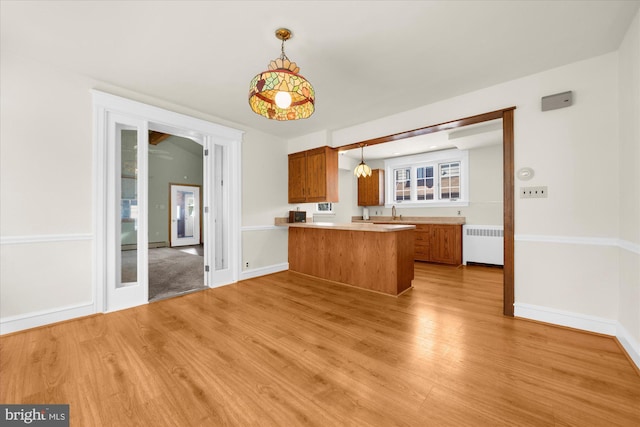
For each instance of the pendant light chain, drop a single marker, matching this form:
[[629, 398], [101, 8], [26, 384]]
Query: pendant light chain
[[283, 56]]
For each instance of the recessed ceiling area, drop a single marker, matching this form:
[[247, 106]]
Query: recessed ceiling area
[[466, 138]]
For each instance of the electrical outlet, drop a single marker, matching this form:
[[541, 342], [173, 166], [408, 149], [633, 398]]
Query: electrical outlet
[[533, 192], [246, 265]]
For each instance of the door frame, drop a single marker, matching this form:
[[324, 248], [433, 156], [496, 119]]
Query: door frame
[[209, 135], [171, 184], [507, 116]]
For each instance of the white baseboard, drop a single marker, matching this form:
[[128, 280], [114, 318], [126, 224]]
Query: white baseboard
[[566, 318], [629, 343], [263, 271], [45, 317], [583, 322]]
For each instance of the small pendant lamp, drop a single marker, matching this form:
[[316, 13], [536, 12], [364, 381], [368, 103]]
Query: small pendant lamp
[[362, 170], [280, 93]]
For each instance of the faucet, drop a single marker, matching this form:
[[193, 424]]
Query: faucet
[[393, 212]]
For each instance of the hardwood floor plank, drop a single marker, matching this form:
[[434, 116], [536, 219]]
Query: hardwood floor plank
[[287, 349]]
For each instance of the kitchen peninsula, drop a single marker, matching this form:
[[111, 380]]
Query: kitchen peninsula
[[377, 257]]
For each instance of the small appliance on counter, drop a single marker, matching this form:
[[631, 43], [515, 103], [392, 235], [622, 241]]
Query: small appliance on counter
[[297, 216], [365, 214]]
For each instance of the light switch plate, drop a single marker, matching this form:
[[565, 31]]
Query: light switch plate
[[533, 192]]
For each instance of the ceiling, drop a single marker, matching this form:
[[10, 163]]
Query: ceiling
[[472, 136], [366, 60]]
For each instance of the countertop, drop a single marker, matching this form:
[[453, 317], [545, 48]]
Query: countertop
[[363, 226], [411, 220]]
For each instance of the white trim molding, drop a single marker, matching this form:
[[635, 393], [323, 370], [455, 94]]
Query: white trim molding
[[263, 271], [44, 238], [45, 317], [565, 318], [629, 246], [577, 240], [583, 322], [631, 346]]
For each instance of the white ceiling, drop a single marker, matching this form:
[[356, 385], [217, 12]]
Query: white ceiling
[[365, 59]]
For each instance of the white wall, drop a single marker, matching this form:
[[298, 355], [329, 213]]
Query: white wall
[[264, 197], [45, 189], [629, 207]]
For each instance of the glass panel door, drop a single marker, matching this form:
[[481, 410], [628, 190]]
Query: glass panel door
[[126, 219], [220, 231], [128, 206]]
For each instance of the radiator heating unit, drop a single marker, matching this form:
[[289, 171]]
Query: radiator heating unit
[[483, 244]]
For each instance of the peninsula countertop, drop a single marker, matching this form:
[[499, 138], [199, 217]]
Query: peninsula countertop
[[353, 226]]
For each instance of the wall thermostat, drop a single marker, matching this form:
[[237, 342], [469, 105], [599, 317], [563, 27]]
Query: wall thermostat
[[559, 100]]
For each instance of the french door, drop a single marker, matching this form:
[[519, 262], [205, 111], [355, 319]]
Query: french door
[[127, 237], [121, 205]]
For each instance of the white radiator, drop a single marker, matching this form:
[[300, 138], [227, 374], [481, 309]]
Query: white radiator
[[483, 244]]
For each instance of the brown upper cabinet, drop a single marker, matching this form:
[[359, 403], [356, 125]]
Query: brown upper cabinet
[[371, 189], [313, 176]]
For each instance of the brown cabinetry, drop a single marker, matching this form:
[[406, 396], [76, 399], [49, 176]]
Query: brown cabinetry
[[446, 244], [371, 189], [422, 252], [440, 243], [313, 176]]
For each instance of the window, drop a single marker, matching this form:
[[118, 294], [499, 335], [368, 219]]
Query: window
[[429, 179], [402, 184], [424, 184], [324, 208], [450, 180]]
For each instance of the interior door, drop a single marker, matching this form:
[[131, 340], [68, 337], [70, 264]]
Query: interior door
[[126, 218], [185, 215]]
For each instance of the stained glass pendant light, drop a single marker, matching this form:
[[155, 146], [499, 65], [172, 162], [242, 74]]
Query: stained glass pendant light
[[280, 93], [362, 170]]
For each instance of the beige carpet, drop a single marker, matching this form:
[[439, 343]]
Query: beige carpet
[[172, 271]]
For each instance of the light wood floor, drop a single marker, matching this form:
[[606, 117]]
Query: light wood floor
[[286, 350]]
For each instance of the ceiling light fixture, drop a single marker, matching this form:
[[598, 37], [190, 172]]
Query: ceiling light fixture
[[362, 170], [280, 93]]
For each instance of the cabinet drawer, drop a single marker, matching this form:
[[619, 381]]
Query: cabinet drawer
[[422, 236]]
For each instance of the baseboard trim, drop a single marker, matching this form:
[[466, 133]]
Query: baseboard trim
[[566, 318], [630, 345], [45, 317], [583, 322], [263, 271]]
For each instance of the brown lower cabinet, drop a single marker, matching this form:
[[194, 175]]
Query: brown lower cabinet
[[439, 243]]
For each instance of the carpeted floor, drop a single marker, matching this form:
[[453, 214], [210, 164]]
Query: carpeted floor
[[172, 271]]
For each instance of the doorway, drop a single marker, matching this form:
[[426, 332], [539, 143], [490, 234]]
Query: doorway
[[176, 246], [507, 116], [124, 210]]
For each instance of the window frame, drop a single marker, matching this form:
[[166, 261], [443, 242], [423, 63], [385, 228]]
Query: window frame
[[430, 159], [321, 212]]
